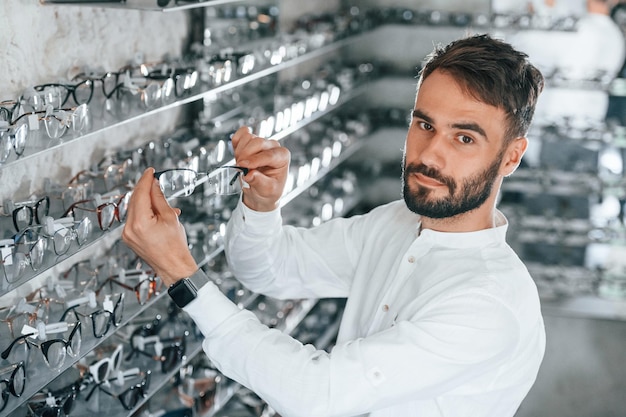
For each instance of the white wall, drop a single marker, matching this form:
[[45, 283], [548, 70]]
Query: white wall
[[49, 43]]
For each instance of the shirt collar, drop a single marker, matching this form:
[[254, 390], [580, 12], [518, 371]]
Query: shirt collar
[[479, 238]]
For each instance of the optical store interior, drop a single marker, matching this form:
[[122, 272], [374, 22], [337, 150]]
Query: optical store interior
[[92, 93]]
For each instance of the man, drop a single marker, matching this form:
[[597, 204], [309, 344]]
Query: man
[[442, 318]]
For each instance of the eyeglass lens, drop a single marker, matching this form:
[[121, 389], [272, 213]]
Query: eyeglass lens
[[182, 182], [14, 385]]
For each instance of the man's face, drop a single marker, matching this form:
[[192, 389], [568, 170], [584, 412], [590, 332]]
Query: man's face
[[454, 150]]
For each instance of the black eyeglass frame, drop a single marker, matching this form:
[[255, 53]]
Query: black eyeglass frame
[[9, 384], [45, 345]]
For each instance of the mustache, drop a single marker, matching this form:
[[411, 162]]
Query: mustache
[[431, 173]]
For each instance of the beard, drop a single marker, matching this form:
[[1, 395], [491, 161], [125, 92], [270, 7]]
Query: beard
[[462, 197]]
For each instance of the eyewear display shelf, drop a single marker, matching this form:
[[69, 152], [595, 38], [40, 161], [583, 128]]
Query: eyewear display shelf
[[147, 5], [102, 127], [39, 377]]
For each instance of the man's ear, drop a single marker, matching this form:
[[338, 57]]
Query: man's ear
[[513, 155]]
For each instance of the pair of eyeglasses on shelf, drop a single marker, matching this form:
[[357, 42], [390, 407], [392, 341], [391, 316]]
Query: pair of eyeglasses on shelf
[[149, 92], [58, 403], [57, 121], [102, 370], [26, 311], [106, 211], [177, 80], [108, 80], [16, 316], [86, 308], [196, 386], [58, 233], [84, 274], [54, 350], [12, 138], [63, 195], [14, 385], [147, 285], [108, 175], [134, 382], [168, 351], [24, 213], [58, 94], [181, 182], [22, 250], [27, 248]]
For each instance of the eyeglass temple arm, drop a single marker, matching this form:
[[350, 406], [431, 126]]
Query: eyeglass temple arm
[[5, 353]]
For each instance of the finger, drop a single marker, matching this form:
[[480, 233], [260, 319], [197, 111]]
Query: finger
[[160, 206], [239, 134], [140, 203], [253, 155], [270, 157]]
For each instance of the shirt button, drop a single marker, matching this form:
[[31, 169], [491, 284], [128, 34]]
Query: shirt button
[[411, 259], [385, 308]]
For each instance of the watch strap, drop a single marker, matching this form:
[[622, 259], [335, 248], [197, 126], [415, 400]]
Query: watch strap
[[198, 279]]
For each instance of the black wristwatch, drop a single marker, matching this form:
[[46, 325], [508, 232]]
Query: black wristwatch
[[185, 290]]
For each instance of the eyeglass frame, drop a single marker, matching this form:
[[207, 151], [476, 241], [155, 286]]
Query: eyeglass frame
[[10, 383], [49, 113], [45, 345], [70, 90], [242, 171], [150, 276], [66, 395], [111, 316], [142, 386], [32, 208], [99, 208], [18, 240]]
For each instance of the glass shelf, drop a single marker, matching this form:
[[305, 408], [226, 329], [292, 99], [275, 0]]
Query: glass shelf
[[144, 5], [49, 267], [38, 379], [187, 100]]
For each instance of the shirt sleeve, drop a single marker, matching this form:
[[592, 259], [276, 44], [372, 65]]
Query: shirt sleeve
[[440, 348], [290, 262]]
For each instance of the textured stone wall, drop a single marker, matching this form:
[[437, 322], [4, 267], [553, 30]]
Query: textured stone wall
[[49, 43]]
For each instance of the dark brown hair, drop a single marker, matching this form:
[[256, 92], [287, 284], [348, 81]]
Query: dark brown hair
[[493, 72]]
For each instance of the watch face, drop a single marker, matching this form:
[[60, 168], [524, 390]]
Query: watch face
[[182, 293]]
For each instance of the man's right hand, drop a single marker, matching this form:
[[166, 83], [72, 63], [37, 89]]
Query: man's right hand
[[268, 165]]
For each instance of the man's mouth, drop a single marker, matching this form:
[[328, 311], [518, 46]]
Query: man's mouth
[[428, 181]]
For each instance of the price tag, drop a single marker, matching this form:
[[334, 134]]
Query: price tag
[[7, 255], [33, 122], [107, 304]]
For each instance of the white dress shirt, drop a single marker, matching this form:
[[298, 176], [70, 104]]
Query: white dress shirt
[[436, 324]]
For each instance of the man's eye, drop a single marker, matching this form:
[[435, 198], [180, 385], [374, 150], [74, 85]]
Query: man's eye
[[465, 139], [425, 126]]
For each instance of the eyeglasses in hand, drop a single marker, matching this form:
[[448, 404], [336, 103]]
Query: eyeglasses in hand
[[179, 182]]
